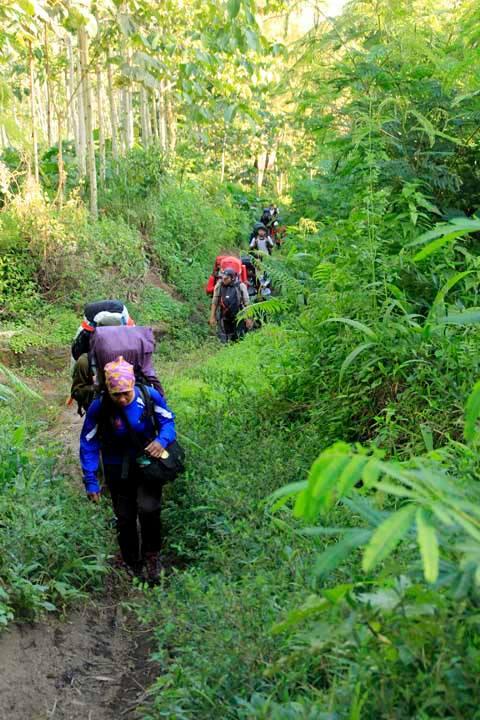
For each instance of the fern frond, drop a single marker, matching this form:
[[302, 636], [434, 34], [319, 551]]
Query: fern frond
[[273, 306]]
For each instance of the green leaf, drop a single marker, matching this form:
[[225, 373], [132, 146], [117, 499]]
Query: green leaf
[[351, 474], [371, 472], [252, 40], [427, 436], [440, 297], [436, 245], [335, 554], [353, 323], [352, 356], [472, 411], [312, 607], [283, 494], [387, 536], [322, 478], [428, 543], [470, 316], [229, 113], [233, 8]]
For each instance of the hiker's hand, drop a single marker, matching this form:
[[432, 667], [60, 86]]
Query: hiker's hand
[[249, 323], [212, 322], [94, 497], [155, 449]]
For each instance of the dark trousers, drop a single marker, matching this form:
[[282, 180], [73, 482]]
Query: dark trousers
[[132, 499], [230, 330]]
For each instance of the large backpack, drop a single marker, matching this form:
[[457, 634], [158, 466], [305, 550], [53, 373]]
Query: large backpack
[[135, 344], [230, 300]]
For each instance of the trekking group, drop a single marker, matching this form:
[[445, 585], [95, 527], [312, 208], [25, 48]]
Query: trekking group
[[128, 443], [235, 282]]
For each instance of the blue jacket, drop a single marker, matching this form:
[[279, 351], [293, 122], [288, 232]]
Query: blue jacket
[[115, 441]]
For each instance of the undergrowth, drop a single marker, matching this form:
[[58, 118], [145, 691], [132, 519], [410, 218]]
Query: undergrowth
[[53, 545]]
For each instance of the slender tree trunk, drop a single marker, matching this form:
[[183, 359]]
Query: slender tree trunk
[[71, 100], [113, 113], [129, 120], [68, 128], [124, 119], [33, 114], [143, 113], [61, 166], [87, 104], [156, 134], [48, 86], [224, 150], [82, 133], [101, 129], [145, 117], [162, 117], [40, 111], [171, 122], [261, 165]]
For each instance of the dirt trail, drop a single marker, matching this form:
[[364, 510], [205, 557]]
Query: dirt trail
[[95, 664]]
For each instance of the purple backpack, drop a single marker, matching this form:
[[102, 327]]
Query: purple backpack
[[135, 344]]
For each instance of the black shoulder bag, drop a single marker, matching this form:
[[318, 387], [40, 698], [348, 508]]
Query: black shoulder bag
[[156, 470]]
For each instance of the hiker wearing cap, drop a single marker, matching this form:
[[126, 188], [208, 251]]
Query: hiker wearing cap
[[262, 243], [129, 425], [229, 298]]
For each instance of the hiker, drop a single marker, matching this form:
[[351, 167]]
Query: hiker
[[262, 243], [96, 314], [131, 427], [229, 297]]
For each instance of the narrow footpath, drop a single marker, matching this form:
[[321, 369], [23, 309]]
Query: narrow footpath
[[92, 665]]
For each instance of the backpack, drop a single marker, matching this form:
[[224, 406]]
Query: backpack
[[230, 300], [135, 344]]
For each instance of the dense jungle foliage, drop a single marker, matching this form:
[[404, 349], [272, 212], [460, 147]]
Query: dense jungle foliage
[[326, 534]]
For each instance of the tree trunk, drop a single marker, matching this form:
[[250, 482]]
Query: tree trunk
[[145, 118], [156, 132], [48, 86], [71, 92], [33, 114], [171, 122], [113, 113], [82, 133], [101, 131], [224, 150], [41, 111], [87, 104], [162, 117], [261, 165], [129, 119], [61, 166]]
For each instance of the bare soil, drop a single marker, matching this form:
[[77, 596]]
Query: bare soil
[[92, 665]]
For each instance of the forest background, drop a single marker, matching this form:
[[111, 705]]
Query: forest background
[[327, 531]]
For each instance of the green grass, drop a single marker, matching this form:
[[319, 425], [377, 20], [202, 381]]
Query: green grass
[[240, 570], [53, 545]]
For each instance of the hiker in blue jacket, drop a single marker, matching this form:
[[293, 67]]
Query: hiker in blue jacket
[[115, 425]]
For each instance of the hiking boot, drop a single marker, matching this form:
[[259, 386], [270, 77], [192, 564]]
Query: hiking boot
[[153, 567], [134, 570]]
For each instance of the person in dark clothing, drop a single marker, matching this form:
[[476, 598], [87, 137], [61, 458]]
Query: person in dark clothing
[[229, 298], [109, 425]]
